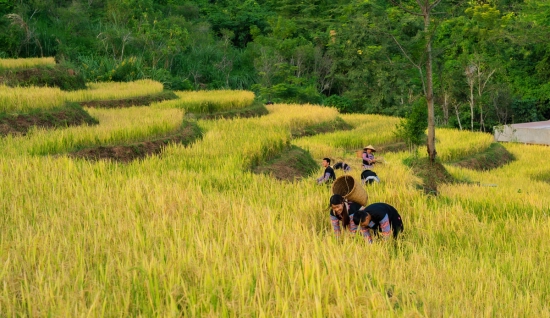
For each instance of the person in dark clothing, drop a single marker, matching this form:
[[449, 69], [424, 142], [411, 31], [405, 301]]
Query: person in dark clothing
[[369, 176], [342, 165], [342, 211], [379, 216], [329, 174]]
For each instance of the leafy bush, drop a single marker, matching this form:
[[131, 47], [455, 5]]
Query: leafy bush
[[343, 104], [62, 75], [102, 69], [289, 93], [412, 128], [525, 110]]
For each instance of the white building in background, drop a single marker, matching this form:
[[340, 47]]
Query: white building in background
[[528, 133]]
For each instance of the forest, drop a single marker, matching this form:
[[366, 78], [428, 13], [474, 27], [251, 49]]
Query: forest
[[489, 60]]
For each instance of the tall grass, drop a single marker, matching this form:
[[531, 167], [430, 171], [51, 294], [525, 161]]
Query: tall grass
[[514, 190], [116, 126], [452, 144], [210, 101], [194, 233], [14, 99], [111, 90], [25, 98], [26, 62], [369, 129]]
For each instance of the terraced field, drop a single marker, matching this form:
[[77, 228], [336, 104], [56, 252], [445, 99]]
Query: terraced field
[[193, 231]]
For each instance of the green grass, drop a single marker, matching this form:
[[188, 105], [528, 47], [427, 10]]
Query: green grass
[[493, 157], [257, 109], [432, 174], [337, 124], [132, 101], [47, 75], [290, 164]]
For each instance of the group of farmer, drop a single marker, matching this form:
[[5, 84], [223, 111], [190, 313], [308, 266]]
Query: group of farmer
[[377, 219], [367, 176]]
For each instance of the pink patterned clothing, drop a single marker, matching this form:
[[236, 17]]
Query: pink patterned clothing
[[335, 220], [367, 160]]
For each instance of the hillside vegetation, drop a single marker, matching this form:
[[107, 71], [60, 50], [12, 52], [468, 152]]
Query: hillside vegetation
[[490, 59]]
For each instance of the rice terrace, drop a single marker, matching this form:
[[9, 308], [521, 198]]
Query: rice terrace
[[156, 203]]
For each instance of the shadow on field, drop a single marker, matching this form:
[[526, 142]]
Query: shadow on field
[[543, 176], [255, 110], [321, 128], [393, 147], [493, 157], [131, 101], [432, 174]]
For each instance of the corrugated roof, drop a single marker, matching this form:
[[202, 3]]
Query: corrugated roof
[[536, 125]]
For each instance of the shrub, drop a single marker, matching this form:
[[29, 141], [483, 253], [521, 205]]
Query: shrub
[[412, 128], [343, 104]]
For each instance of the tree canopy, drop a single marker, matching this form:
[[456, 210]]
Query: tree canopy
[[491, 58]]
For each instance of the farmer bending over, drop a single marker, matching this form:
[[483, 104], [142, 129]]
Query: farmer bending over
[[369, 176], [329, 172], [342, 165], [342, 211], [379, 216]]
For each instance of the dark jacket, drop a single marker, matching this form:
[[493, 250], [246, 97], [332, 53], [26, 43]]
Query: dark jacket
[[379, 210], [330, 171]]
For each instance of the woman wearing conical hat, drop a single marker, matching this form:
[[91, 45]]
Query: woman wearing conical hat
[[368, 157]]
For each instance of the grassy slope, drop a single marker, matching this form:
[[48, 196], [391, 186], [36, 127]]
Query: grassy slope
[[47, 75], [291, 164], [185, 135]]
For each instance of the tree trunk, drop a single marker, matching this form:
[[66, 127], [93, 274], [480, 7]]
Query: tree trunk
[[427, 85], [445, 107], [429, 88], [458, 116], [481, 122], [472, 104]]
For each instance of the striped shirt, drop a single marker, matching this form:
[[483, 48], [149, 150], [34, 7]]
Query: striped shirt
[[385, 218], [351, 208]]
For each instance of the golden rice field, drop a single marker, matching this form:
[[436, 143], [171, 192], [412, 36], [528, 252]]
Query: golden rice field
[[192, 232], [21, 99], [120, 125], [369, 129], [210, 101], [118, 90], [26, 63]]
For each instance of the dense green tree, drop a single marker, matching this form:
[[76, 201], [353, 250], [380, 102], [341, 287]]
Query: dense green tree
[[360, 56]]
